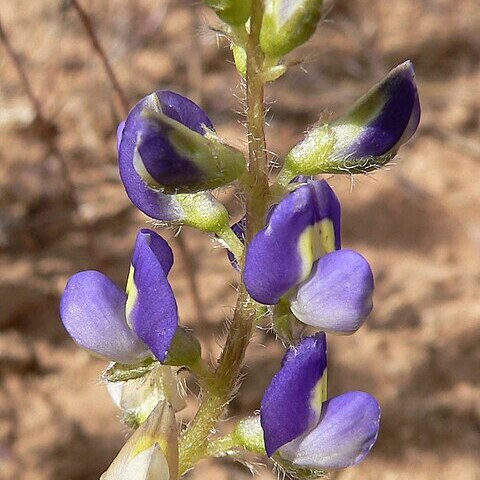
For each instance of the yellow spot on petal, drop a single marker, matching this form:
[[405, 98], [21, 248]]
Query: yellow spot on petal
[[314, 242], [327, 236], [307, 250], [319, 394]]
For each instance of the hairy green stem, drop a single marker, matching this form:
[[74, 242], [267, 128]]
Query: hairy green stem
[[232, 242], [257, 188], [194, 442], [204, 374], [223, 445]]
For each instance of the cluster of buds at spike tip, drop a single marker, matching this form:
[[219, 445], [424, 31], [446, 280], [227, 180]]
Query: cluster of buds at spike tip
[[297, 259], [365, 139], [169, 159]]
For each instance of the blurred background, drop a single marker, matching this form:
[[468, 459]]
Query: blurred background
[[63, 209]]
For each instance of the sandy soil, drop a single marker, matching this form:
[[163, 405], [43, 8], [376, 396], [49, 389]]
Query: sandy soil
[[418, 223]]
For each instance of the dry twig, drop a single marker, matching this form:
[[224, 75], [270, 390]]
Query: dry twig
[[97, 46], [47, 131], [46, 128]]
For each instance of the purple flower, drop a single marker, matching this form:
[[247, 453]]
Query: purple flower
[[337, 297], [303, 226], [301, 428], [383, 119], [167, 145], [297, 255], [125, 327], [368, 137]]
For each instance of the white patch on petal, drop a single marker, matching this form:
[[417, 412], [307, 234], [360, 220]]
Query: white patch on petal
[[286, 9], [150, 464]]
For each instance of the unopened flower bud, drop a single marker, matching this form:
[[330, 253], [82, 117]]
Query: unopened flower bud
[[288, 24], [151, 453], [365, 139]]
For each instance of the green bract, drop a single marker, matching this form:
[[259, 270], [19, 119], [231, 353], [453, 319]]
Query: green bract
[[204, 212], [287, 24]]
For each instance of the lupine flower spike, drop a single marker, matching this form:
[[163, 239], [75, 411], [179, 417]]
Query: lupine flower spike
[[294, 275], [302, 429]]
